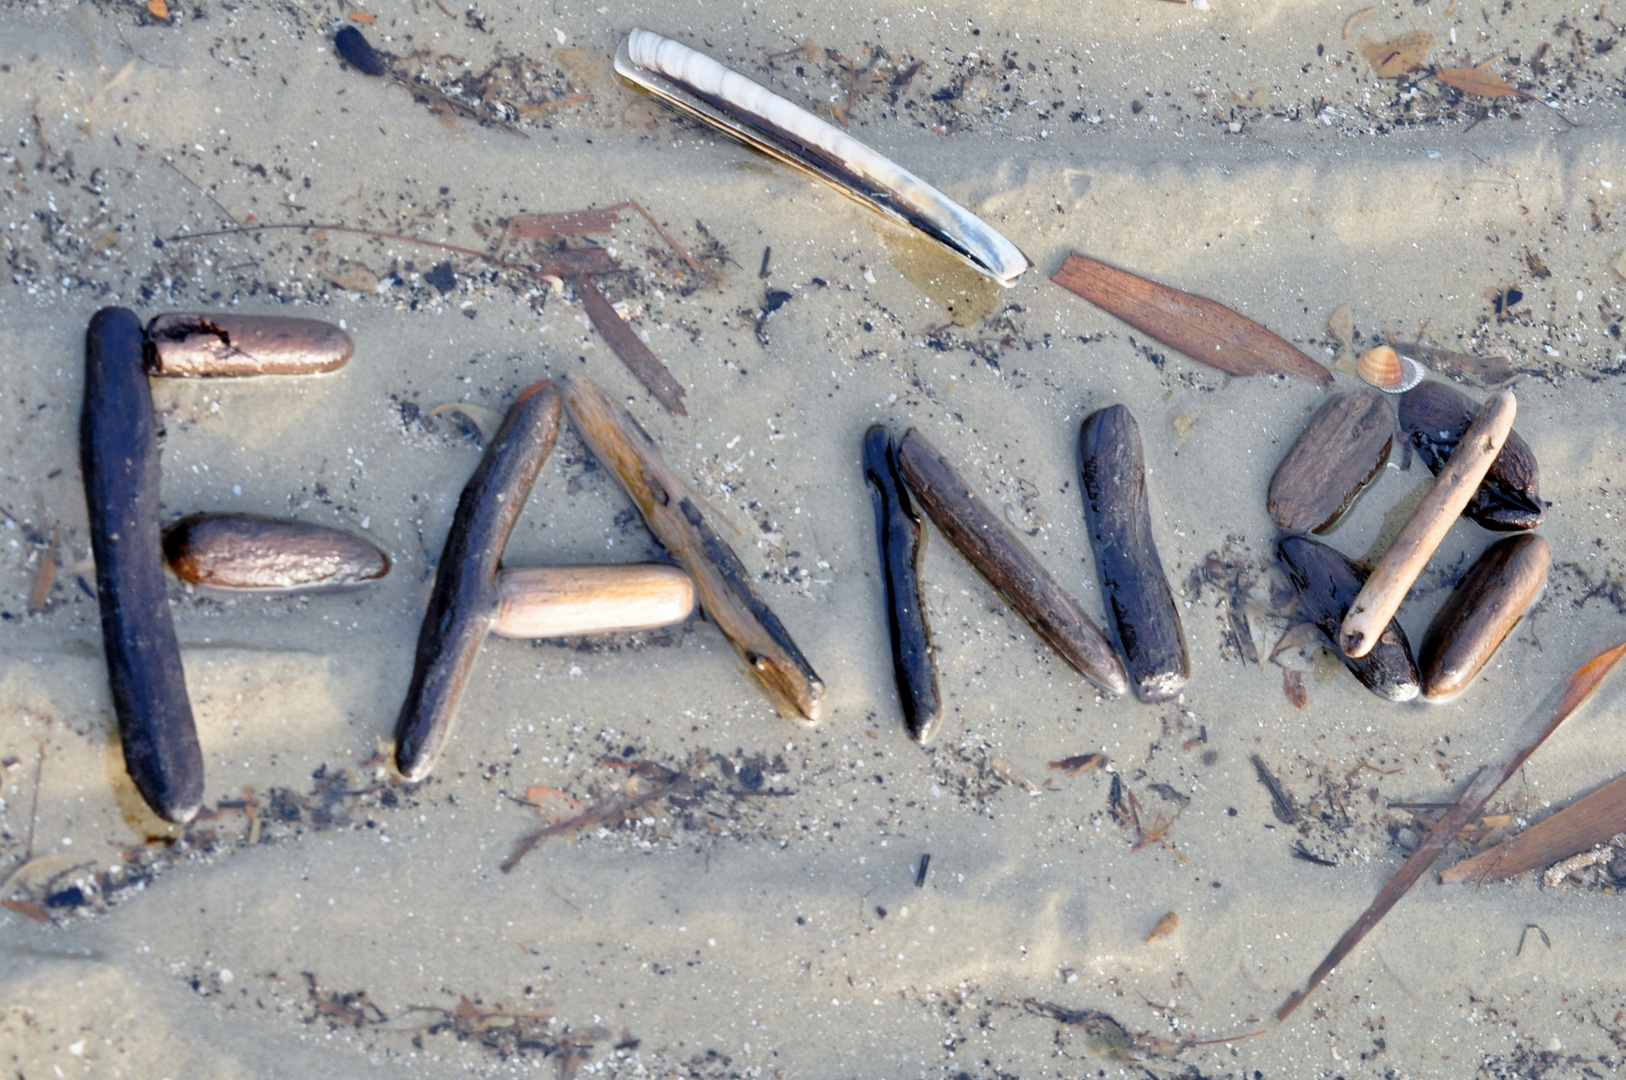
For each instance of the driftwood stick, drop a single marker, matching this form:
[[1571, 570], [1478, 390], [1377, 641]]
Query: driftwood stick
[[1380, 597], [464, 601]]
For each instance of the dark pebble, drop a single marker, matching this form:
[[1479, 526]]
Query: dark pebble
[[357, 53]]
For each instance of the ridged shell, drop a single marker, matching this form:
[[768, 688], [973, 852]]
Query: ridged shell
[[724, 99], [1388, 370]]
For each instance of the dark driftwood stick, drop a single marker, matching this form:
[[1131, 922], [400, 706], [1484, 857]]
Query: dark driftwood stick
[[464, 601], [1435, 417], [1553, 710], [1204, 330], [118, 450], [726, 593], [1112, 473], [1327, 583], [643, 363], [1487, 603], [1336, 455], [990, 547], [914, 661]]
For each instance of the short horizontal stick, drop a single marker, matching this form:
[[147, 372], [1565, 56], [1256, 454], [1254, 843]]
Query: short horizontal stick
[[1380, 597], [566, 601]]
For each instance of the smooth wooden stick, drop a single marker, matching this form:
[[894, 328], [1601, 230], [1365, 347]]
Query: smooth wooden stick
[[565, 601], [1380, 597]]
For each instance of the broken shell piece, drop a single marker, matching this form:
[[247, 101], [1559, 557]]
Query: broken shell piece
[[566, 601], [1388, 370], [193, 345], [711, 93], [242, 551]]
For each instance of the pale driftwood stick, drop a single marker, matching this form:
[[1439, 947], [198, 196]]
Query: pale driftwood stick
[[1380, 597], [563, 601]]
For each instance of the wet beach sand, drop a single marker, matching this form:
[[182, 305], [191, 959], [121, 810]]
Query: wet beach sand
[[766, 915]]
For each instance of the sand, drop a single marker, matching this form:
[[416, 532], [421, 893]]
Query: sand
[[766, 920]]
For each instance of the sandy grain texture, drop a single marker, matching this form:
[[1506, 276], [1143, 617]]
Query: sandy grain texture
[[764, 919]]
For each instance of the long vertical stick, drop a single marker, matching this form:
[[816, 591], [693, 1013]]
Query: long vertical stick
[[1380, 597], [118, 453]]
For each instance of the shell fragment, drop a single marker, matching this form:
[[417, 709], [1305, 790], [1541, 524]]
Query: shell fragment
[[724, 99]]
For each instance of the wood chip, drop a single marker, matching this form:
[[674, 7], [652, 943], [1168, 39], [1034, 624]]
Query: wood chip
[[1079, 763], [1203, 329], [28, 907], [1167, 925], [365, 18], [1478, 81], [1398, 55], [566, 223], [554, 805]]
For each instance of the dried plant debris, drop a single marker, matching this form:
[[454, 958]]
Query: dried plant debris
[[1397, 56], [1551, 712], [704, 795], [1247, 601], [1147, 826], [1588, 826], [511, 90], [971, 772], [337, 799], [505, 1032]]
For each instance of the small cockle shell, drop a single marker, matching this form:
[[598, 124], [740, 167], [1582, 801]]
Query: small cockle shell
[[1388, 370]]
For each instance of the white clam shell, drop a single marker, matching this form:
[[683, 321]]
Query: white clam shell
[[750, 112]]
